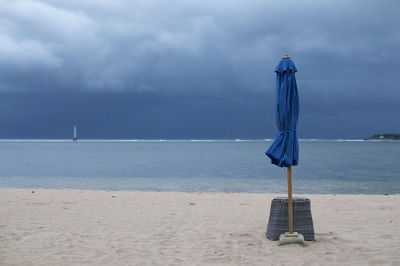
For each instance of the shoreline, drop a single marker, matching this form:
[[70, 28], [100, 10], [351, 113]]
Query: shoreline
[[99, 227], [278, 194]]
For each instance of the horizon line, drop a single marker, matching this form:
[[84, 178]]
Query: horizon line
[[185, 140]]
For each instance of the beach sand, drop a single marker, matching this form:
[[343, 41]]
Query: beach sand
[[81, 227]]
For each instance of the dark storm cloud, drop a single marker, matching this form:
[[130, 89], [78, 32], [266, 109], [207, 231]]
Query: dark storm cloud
[[183, 69]]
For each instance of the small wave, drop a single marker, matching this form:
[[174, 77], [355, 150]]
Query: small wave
[[337, 140], [36, 140], [349, 140]]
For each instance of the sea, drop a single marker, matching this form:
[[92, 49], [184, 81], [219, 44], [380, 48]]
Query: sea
[[325, 166]]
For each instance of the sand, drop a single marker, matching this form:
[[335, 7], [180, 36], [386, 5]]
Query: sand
[[80, 227]]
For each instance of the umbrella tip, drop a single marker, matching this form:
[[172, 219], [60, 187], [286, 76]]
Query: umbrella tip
[[286, 56]]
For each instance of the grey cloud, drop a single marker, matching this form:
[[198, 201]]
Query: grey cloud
[[210, 51]]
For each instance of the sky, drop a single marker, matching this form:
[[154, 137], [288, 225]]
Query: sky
[[196, 69]]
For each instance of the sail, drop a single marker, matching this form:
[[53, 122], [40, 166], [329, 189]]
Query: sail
[[75, 135]]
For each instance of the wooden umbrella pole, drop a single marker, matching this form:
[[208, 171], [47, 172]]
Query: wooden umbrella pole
[[290, 206]]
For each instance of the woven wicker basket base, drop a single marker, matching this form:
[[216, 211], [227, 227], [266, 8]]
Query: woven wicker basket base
[[278, 222]]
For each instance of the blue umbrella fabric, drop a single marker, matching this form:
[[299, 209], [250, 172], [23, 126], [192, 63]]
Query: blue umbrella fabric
[[284, 151]]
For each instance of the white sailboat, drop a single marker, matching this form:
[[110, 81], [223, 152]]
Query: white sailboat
[[75, 135]]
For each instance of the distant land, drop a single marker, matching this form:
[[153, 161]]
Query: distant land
[[385, 136]]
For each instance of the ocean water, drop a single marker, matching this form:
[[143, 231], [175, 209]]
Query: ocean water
[[326, 166]]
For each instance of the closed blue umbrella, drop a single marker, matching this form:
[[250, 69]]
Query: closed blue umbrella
[[284, 151]]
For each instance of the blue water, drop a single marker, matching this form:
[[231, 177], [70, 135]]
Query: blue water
[[370, 167]]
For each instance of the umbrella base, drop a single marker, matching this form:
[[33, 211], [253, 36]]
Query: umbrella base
[[294, 238], [278, 222]]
